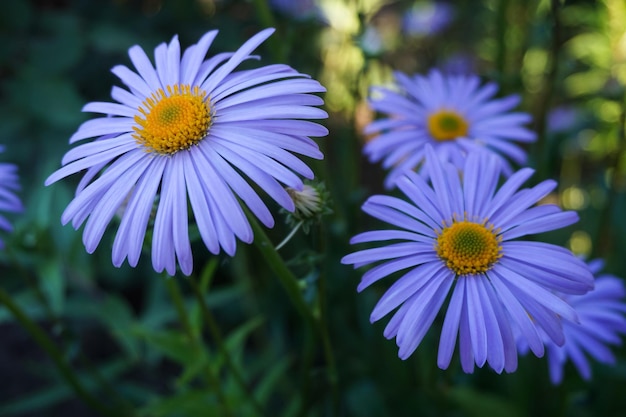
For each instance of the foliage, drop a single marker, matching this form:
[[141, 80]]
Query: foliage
[[232, 339]]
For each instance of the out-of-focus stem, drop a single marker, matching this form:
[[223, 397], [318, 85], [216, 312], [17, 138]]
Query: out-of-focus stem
[[214, 330], [212, 379], [44, 341]]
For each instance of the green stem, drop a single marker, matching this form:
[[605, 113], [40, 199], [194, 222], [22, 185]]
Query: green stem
[[214, 330], [544, 100], [289, 236], [266, 18], [179, 304], [286, 278], [292, 286], [44, 341]]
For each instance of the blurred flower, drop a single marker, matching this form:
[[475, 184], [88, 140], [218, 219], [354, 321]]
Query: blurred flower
[[298, 9], [563, 119], [427, 18], [312, 202], [602, 319], [371, 42], [307, 201], [459, 233], [9, 202], [453, 113], [459, 64], [191, 129]]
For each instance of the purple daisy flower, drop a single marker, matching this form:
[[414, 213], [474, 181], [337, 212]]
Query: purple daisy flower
[[602, 322], [427, 18], [9, 202], [458, 234], [298, 9], [190, 129], [454, 113]]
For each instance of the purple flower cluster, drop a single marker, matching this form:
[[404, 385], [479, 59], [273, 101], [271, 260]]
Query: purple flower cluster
[[461, 239], [191, 129]]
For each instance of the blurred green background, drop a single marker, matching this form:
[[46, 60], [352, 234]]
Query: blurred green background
[[118, 328]]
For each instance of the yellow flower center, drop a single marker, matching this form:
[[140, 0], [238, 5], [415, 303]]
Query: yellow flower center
[[446, 125], [174, 121], [468, 248]]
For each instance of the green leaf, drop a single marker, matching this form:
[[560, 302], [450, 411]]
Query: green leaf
[[271, 379], [480, 404], [115, 313], [52, 284], [174, 345], [185, 404]]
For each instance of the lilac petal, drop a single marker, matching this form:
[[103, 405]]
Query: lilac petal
[[103, 126], [207, 67], [450, 328], [391, 329], [423, 197], [261, 138], [92, 148], [125, 97], [581, 363], [160, 60], [392, 251], [508, 189], [294, 128], [200, 207], [229, 207], [88, 176], [89, 162], [276, 153], [378, 235], [410, 283], [387, 268], [537, 293], [476, 320], [133, 81], [525, 199], [440, 185], [506, 341], [178, 190], [424, 308], [541, 224], [110, 108], [465, 341], [251, 97], [481, 177], [131, 232], [544, 261], [144, 67], [518, 313], [109, 202], [272, 112], [163, 253], [172, 74], [241, 188], [266, 181], [194, 58], [99, 186], [242, 80], [382, 125], [384, 208], [250, 45]]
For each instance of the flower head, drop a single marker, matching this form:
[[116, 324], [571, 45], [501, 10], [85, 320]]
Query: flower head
[[427, 18], [191, 130], [298, 9], [459, 234], [602, 315], [453, 113], [9, 202]]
